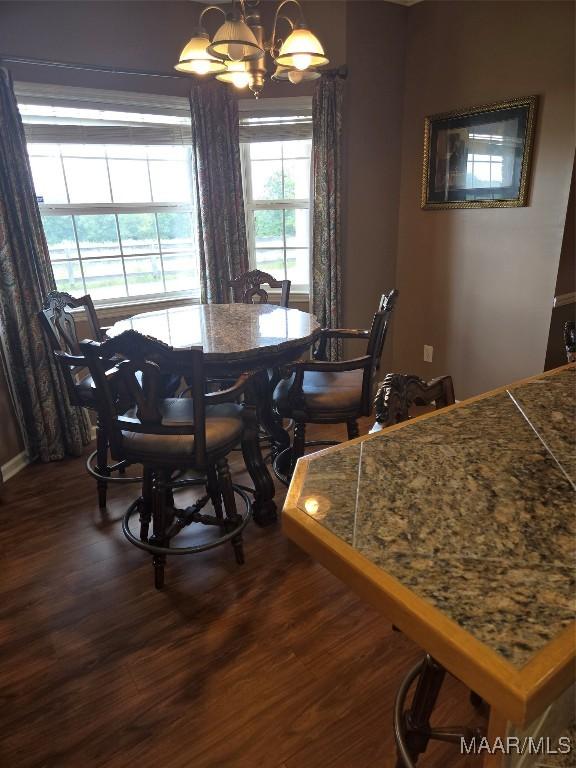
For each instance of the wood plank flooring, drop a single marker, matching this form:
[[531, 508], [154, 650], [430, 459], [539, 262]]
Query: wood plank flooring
[[274, 664]]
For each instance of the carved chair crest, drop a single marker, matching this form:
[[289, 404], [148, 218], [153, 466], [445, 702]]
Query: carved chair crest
[[397, 392]]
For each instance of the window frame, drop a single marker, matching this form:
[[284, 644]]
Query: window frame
[[251, 205], [117, 209]]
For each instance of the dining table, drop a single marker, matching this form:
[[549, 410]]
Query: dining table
[[237, 338], [459, 526]]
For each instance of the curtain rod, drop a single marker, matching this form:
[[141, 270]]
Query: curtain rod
[[339, 72], [89, 67]]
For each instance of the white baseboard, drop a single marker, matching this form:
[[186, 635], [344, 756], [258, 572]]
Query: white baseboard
[[14, 466]]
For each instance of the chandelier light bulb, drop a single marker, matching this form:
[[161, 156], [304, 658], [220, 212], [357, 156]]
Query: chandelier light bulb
[[240, 79], [236, 51], [200, 67], [295, 76], [236, 73], [302, 60]]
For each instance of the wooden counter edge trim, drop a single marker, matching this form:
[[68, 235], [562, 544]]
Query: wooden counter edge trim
[[549, 672], [478, 666]]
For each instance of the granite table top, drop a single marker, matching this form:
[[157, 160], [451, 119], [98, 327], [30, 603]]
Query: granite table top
[[470, 508], [226, 331]]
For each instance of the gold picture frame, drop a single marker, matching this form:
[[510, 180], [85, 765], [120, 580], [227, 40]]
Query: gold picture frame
[[479, 157]]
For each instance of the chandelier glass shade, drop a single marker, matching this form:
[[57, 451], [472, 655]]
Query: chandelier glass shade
[[237, 52], [294, 76], [301, 50], [195, 58], [235, 41]]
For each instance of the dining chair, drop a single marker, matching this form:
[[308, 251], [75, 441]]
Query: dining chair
[[59, 325], [247, 288], [398, 392], [168, 435], [326, 392]]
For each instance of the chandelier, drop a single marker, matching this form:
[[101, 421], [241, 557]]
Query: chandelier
[[237, 52]]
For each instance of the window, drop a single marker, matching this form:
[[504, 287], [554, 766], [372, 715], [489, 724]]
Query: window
[[118, 219], [276, 148], [117, 211], [112, 173], [277, 192]]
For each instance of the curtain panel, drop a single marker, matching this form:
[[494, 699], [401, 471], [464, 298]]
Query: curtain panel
[[51, 427], [219, 195], [327, 219]]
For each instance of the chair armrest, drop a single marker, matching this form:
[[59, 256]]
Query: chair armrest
[[345, 333], [231, 393], [72, 361], [328, 366], [337, 333]]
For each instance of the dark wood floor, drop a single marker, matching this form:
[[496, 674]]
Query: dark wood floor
[[274, 664]]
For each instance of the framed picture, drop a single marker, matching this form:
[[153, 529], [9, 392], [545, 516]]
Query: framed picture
[[479, 157]]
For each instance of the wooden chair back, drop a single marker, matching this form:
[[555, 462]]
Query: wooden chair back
[[129, 369], [247, 288], [399, 391], [376, 339], [59, 325]]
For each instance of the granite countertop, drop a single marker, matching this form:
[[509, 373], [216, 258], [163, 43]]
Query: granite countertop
[[471, 509]]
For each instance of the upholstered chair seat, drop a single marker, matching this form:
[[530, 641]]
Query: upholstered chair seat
[[224, 424], [323, 391]]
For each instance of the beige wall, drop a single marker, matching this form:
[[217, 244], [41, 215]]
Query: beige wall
[[375, 39], [478, 284]]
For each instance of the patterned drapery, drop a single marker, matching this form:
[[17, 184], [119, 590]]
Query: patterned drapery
[[327, 185], [52, 427], [218, 180]]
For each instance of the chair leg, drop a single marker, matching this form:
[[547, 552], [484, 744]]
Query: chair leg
[[352, 429], [299, 444], [417, 718], [159, 525], [213, 490], [232, 517], [146, 504], [101, 462]]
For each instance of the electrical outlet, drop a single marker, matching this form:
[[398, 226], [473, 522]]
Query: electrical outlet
[[428, 353]]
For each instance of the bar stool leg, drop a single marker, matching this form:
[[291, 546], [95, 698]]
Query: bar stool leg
[[213, 490], [159, 524], [225, 482], [102, 463], [146, 503], [417, 718]]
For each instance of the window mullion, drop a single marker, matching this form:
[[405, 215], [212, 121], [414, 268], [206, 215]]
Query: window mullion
[[160, 251]]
